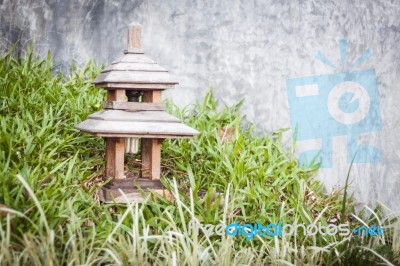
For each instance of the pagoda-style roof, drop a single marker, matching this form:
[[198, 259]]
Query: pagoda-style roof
[[143, 124], [135, 71]]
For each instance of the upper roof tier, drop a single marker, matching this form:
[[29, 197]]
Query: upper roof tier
[[134, 70]]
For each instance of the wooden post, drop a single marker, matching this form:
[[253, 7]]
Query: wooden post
[[152, 96], [117, 95], [115, 147], [151, 148], [151, 158], [115, 158]]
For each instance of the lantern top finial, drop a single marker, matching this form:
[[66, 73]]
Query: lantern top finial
[[134, 42]]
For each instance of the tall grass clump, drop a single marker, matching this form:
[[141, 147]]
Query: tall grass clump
[[50, 174]]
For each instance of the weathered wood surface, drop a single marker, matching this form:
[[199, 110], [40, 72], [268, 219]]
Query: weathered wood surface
[[115, 157], [133, 86], [137, 135], [134, 58], [116, 95], [139, 116], [134, 67], [135, 77], [136, 129], [135, 183], [131, 190], [134, 34], [134, 106], [115, 196], [151, 158], [153, 96], [151, 148]]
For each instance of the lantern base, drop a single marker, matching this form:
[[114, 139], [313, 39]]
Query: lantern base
[[131, 190]]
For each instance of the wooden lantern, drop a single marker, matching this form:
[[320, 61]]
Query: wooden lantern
[[129, 78]]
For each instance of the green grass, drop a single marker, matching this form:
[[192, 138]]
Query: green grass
[[49, 177]]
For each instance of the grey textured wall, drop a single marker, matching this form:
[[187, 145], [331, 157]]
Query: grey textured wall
[[250, 49]]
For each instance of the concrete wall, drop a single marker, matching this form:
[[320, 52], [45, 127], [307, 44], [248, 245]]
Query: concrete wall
[[264, 52]]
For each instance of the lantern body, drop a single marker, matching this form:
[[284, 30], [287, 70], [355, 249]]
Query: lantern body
[[134, 110]]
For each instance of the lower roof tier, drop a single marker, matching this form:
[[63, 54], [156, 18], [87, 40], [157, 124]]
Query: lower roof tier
[[149, 124]]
